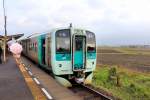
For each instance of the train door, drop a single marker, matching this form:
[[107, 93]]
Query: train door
[[48, 50], [43, 51], [79, 53]]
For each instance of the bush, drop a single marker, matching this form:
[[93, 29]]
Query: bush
[[114, 77]]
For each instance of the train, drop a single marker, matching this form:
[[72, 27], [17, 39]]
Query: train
[[69, 53]]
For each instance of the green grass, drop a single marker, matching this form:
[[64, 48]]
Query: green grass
[[134, 85]]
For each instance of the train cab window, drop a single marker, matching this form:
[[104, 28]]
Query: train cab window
[[91, 42], [63, 41], [79, 43]]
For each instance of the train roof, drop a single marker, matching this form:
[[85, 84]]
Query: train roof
[[48, 32], [22, 38], [30, 36], [36, 34]]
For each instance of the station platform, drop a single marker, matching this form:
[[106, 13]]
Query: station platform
[[16, 83], [12, 83]]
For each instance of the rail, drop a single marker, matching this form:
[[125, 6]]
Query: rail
[[101, 95]]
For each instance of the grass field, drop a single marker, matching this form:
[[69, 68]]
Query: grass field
[[132, 66], [133, 85]]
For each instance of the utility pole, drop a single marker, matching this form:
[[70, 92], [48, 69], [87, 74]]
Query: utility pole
[[5, 27]]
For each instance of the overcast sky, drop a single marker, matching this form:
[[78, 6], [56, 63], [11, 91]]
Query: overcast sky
[[115, 22]]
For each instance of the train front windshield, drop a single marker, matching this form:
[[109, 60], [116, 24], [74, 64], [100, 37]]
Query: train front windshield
[[63, 41], [91, 42]]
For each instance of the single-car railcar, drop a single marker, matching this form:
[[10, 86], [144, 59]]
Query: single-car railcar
[[70, 53]]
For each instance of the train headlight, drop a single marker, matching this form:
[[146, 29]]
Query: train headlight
[[93, 62], [60, 65]]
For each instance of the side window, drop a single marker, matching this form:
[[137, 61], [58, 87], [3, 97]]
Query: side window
[[29, 45], [32, 46], [35, 46]]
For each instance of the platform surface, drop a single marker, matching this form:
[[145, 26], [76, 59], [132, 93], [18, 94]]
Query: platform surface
[[12, 83]]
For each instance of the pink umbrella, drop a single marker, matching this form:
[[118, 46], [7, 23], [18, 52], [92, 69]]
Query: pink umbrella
[[16, 49]]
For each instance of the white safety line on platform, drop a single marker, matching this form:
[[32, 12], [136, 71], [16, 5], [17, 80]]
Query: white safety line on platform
[[30, 73], [37, 82], [35, 79], [47, 94]]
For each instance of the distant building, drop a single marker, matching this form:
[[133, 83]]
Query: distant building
[[9, 37]]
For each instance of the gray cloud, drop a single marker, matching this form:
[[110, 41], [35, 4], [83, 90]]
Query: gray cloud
[[114, 22]]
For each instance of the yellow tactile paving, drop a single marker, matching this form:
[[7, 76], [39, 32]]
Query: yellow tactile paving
[[22, 68], [34, 88]]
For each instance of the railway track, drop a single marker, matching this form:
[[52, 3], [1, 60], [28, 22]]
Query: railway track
[[84, 92], [87, 93]]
